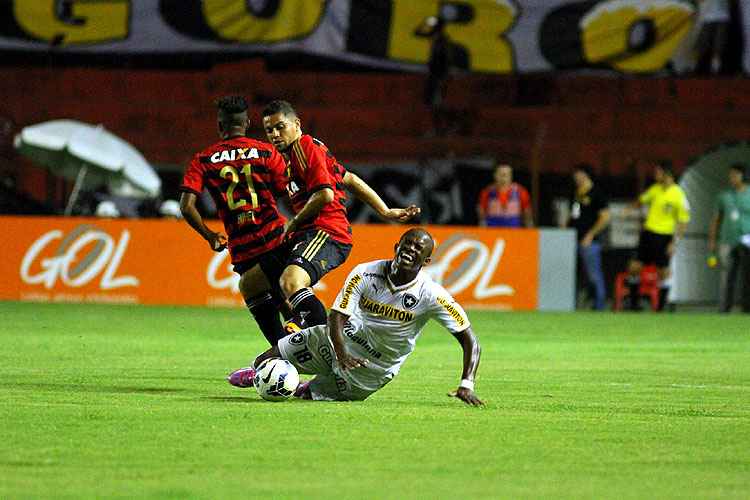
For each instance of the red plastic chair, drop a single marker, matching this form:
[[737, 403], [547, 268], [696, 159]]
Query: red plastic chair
[[649, 287]]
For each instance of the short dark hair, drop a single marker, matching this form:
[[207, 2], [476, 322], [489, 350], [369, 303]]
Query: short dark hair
[[666, 166], [231, 104], [279, 106], [232, 111]]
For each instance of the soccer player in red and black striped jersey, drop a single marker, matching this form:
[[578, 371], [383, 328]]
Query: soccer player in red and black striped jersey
[[243, 177], [319, 234]]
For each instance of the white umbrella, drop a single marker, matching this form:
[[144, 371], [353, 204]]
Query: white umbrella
[[91, 156]]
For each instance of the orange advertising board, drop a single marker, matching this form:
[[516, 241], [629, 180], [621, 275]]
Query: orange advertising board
[[164, 262]]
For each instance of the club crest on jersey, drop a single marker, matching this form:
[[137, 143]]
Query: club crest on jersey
[[297, 339], [409, 301], [234, 154]]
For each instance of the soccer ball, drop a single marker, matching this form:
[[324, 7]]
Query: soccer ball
[[276, 379]]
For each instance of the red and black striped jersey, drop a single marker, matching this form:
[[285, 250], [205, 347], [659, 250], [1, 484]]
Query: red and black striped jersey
[[313, 167], [243, 177]]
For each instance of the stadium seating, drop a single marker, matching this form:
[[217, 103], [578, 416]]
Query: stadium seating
[[380, 117]]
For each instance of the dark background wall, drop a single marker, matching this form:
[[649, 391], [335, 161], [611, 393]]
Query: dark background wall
[[549, 122]]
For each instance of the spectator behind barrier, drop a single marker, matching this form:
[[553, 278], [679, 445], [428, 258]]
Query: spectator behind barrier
[[589, 216], [504, 203]]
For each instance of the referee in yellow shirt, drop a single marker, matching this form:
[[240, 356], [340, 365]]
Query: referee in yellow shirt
[[668, 215]]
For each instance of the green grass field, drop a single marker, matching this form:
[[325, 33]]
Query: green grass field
[[114, 401]]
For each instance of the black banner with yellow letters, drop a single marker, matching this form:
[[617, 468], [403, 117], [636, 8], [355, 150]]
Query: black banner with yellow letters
[[497, 36]]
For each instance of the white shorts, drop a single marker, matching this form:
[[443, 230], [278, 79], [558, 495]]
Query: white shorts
[[311, 352]]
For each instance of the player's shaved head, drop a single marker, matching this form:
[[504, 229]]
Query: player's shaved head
[[421, 234], [231, 112]]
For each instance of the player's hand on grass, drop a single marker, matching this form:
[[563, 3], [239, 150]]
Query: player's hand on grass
[[349, 362], [402, 214], [217, 241], [467, 396]]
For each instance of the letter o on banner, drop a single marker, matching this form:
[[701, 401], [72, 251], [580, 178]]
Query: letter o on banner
[[238, 21]]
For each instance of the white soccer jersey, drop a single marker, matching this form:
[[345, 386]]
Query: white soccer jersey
[[385, 320]]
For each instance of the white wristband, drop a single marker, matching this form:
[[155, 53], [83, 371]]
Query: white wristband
[[467, 384]]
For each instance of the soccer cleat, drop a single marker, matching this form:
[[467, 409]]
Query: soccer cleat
[[302, 389], [242, 378]]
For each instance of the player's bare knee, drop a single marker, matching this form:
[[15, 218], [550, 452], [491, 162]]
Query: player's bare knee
[[287, 286], [290, 282]]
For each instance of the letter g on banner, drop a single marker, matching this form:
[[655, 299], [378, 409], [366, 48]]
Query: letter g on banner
[[65, 22], [246, 21], [636, 36]]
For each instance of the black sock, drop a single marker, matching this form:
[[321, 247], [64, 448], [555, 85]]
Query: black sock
[[663, 294], [264, 310], [308, 310]]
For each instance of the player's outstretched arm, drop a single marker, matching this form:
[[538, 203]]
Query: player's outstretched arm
[[472, 353], [216, 240], [366, 194], [346, 361]]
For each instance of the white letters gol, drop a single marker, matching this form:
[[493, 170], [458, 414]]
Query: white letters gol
[[73, 272]]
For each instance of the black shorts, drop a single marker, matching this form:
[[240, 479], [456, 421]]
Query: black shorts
[[317, 253], [272, 263], [652, 248]]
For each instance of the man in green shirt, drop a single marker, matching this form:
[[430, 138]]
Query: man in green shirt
[[731, 223]]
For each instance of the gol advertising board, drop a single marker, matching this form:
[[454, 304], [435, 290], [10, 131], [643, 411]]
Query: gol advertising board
[[165, 262]]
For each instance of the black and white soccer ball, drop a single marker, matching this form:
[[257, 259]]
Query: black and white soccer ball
[[276, 379]]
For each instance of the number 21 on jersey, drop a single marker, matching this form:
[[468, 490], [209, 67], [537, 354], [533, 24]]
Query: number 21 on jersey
[[229, 172]]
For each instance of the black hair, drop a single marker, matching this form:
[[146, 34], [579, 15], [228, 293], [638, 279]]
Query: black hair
[[666, 166], [232, 111], [231, 104], [279, 106], [741, 168]]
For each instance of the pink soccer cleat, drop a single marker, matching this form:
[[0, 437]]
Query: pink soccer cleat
[[242, 378], [302, 391]]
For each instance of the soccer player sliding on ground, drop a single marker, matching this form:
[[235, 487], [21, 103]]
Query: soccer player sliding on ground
[[372, 328]]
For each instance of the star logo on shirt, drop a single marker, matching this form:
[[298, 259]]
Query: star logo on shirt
[[409, 301]]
